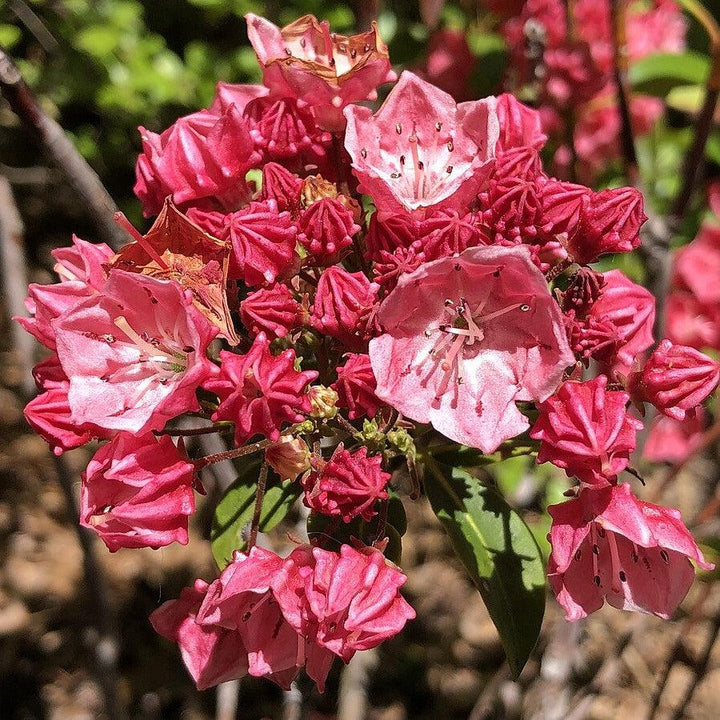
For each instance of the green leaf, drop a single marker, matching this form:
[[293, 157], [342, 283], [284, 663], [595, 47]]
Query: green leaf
[[686, 98], [236, 507], [499, 553], [659, 74]]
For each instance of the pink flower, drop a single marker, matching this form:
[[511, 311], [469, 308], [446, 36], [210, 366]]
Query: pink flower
[[585, 430], [50, 416], [420, 150], [572, 77], [327, 71], [262, 239], [345, 601], [467, 337], [675, 379], [326, 230], [343, 302], [273, 311], [356, 386], [134, 354], [260, 391], [212, 654], [520, 125], [348, 485], [674, 441], [631, 309], [201, 155], [659, 29], [241, 600], [137, 491], [82, 275], [608, 545]]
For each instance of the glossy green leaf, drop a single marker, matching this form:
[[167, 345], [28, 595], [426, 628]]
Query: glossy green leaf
[[235, 510], [659, 74], [499, 553]]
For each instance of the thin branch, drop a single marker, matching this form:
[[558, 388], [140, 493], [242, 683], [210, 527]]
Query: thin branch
[[620, 70], [259, 496], [60, 149], [228, 694], [14, 283], [699, 670], [34, 24], [354, 681]]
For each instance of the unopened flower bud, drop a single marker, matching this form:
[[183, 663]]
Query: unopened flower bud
[[289, 457], [323, 402]]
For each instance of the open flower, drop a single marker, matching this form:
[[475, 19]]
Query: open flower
[[134, 353], [465, 338], [421, 150], [324, 70], [608, 545]]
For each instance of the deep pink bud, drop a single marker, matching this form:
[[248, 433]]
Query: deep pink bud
[[675, 379], [608, 545], [343, 303], [347, 485], [282, 186], [50, 416], [391, 266], [260, 391], [356, 386], [344, 601], [610, 223], [283, 129], [585, 429], [399, 230], [631, 309], [137, 491], [446, 232], [582, 292], [326, 229], [273, 311], [201, 155], [262, 238]]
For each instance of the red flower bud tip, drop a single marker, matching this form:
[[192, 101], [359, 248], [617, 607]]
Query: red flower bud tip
[[260, 391], [675, 379], [356, 386], [326, 229], [273, 311]]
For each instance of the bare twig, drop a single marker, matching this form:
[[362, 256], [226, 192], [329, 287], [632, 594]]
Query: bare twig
[[627, 139], [53, 140], [228, 694], [354, 681], [257, 511], [676, 650], [485, 703], [292, 703], [699, 670], [14, 282], [104, 641]]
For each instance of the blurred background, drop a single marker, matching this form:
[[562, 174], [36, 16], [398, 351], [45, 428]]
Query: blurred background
[[75, 641]]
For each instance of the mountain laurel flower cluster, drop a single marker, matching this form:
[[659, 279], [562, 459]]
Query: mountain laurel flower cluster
[[346, 293]]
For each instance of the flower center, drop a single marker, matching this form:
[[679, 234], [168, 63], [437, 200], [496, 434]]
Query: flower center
[[166, 360], [461, 327]]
